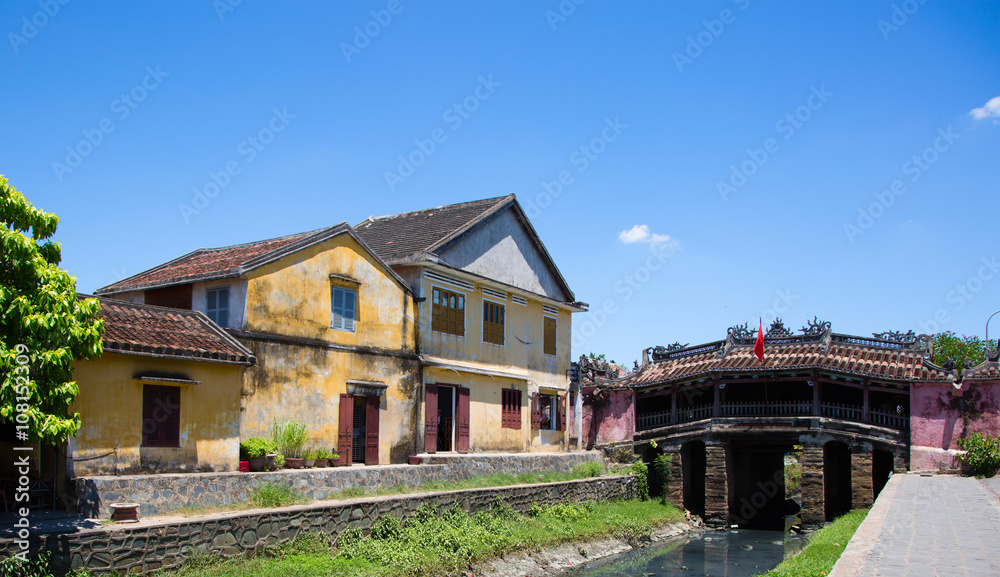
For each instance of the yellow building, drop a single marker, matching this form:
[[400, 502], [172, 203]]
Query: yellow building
[[332, 327], [164, 396], [494, 325]]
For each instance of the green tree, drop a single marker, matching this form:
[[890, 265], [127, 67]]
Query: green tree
[[949, 347], [43, 325]]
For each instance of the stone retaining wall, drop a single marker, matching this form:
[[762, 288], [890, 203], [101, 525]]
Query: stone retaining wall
[[160, 494], [142, 549]]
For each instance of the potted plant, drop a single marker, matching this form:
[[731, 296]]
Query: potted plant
[[258, 452], [290, 437], [310, 458], [322, 457]]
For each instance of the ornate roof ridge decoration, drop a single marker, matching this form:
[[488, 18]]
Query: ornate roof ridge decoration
[[740, 332], [815, 327], [591, 369], [896, 336], [777, 330]]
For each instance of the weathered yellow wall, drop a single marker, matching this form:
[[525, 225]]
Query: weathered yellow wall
[[292, 297], [303, 381], [540, 371], [110, 407]]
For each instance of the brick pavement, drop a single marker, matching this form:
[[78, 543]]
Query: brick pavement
[[927, 526]]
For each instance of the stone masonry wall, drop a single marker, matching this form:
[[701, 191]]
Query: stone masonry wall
[[716, 486], [143, 549], [861, 480], [813, 512], [160, 494]]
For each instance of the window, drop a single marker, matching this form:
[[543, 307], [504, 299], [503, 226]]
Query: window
[[161, 416], [493, 323], [511, 412], [549, 340], [448, 312], [217, 305], [343, 308], [547, 406]]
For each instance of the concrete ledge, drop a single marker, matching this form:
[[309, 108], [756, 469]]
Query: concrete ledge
[[149, 546], [867, 534], [160, 494]]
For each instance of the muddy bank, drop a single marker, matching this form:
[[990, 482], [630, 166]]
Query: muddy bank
[[556, 560]]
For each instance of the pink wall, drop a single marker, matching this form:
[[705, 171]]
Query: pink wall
[[615, 419], [937, 422]]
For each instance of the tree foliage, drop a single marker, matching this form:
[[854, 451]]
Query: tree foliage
[[960, 350], [43, 325]]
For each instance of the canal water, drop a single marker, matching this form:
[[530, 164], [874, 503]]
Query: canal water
[[734, 553]]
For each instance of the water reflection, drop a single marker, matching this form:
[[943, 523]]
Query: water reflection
[[736, 553]]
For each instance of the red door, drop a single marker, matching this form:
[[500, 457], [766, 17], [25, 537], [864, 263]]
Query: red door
[[462, 411], [561, 413], [345, 428], [371, 430], [536, 413], [431, 419]]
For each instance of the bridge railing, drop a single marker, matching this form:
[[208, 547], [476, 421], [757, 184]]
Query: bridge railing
[[844, 412], [891, 420], [841, 411], [766, 408]]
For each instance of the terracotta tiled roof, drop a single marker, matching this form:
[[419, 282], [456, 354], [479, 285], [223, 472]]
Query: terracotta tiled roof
[[165, 332], [988, 370], [843, 354], [214, 263], [401, 237]]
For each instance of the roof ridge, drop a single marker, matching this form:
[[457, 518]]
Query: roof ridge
[[262, 241], [495, 200]]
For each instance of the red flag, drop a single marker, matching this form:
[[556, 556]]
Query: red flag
[[758, 347]]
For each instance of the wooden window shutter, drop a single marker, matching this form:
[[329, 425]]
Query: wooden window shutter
[[549, 336], [431, 419], [462, 410], [536, 413], [561, 412], [345, 428], [161, 416], [371, 429]]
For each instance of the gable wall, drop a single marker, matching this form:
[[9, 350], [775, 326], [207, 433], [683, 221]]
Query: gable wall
[[502, 249]]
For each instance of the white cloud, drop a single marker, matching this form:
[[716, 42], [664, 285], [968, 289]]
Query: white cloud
[[990, 110], [641, 233]]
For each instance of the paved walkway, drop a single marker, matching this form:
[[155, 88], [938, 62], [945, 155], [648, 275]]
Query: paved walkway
[[933, 526]]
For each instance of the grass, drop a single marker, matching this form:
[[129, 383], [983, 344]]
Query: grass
[[442, 543], [823, 549]]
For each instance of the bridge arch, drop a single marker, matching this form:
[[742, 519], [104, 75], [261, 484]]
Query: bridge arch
[[694, 468], [837, 494]]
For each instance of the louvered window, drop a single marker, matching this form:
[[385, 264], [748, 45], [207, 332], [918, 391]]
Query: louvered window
[[161, 416], [217, 305], [549, 337], [448, 312], [511, 414], [343, 308], [493, 323]]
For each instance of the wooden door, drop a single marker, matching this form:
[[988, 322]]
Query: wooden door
[[345, 428], [536, 412], [431, 419], [462, 410], [371, 430], [561, 413]]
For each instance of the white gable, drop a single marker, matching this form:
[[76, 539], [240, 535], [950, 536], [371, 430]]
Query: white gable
[[502, 249]]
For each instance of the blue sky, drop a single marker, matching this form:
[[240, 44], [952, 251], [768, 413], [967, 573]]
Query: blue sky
[[783, 159]]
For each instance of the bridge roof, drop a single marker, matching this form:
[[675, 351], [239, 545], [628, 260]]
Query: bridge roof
[[899, 357]]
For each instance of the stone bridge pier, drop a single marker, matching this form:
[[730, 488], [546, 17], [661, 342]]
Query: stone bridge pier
[[740, 481]]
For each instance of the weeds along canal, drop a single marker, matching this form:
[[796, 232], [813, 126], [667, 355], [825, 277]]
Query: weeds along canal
[[732, 553]]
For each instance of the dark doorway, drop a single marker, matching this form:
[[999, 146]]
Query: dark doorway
[[882, 465], [836, 479], [446, 418], [693, 465], [358, 435], [758, 480]]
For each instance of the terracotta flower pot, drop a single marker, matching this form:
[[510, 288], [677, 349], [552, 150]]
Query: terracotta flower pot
[[293, 463], [414, 459], [310, 463], [322, 463]]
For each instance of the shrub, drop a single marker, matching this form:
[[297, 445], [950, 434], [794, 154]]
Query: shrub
[[279, 462], [290, 438], [37, 565], [641, 475], [256, 447], [982, 456], [591, 469], [661, 474]]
